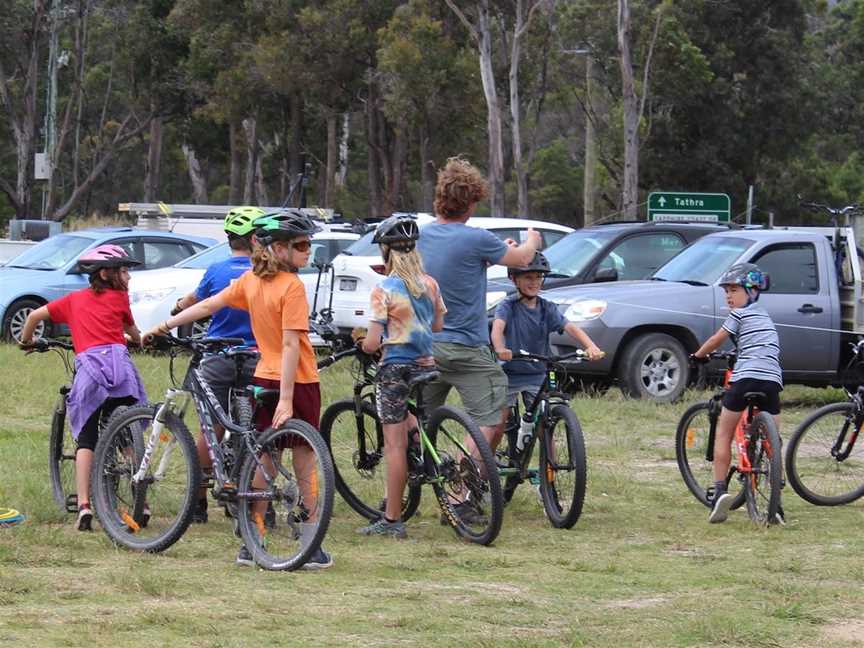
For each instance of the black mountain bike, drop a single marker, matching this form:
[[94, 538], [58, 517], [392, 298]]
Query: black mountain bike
[[470, 500], [281, 516], [825, 459], [562, 470]]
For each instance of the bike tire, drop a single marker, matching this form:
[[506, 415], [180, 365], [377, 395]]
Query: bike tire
[[563, 498], [294, 532], [691, 437], [170, 497], [468, 491], [361, 481], [813, 472], [762, 486], [241, 411], [61, 459]]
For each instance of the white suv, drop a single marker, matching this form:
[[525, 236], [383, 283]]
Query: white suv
[[359, 268]]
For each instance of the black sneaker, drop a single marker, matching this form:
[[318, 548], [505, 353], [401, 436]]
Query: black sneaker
[[199, 515], [85, 519], [319, 560], [244, 557], [720, 511], [382, 527]]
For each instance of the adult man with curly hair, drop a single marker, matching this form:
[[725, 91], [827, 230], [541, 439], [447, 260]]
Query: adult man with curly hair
[[457, 256]]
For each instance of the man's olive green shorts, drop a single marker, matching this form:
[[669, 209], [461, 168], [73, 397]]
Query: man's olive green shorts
[[476, 375]]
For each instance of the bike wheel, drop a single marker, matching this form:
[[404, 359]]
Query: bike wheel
[[762, 486], [816, 471], [153, 513], [241, 412], [356, 444], [468, 489], [563, 467], [691, 444], [61, 459], [300, 495]]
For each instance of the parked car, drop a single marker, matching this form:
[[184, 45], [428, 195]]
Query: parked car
[[359, 268], [48, 270], [648, 328], [610, 252], [153, 294]]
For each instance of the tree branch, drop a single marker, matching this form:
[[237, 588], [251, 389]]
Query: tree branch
[[648, 62], [472, 30]]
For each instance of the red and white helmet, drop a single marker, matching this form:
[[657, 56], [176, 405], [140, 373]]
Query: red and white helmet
[[105, 256]]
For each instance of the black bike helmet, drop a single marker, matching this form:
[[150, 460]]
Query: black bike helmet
[[283, 225], [399, 232], [749, 277], [538, 264]]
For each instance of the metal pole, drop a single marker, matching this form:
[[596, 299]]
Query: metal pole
[[749, 205]]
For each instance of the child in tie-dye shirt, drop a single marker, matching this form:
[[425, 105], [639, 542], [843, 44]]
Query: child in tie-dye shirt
[[406, 309]]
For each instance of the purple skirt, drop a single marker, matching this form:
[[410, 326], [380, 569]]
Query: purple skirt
[[101, 372]]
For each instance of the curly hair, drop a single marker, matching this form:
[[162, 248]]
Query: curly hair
[[266, 265], [460, 185]]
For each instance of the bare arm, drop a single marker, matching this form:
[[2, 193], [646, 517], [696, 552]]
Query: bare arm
[[290, 359], [184, 302], [134, 334], [521, 255], [713, 343], [33, 319], [372, 341], [585, 340], [198, 311], [498, 341]]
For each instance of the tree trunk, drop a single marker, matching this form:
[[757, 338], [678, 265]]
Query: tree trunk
[[630, 193], [261, 182], [154, 160], [589, 196], [427, 171], [342, 175], [493, 113], [295, 158], [196, 177], [250, 127], [236, 144], [329, 189], [372, 167]]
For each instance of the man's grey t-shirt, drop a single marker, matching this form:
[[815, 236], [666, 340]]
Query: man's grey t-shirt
[[456, 256]]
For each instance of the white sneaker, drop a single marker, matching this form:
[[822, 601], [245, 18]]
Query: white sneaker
[[721, 508]]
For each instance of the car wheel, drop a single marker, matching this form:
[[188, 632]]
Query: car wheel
[[16, 315], [654, 366]]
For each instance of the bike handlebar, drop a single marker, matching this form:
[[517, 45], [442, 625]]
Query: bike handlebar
[[578, 354], [43, 344], [196, 344]]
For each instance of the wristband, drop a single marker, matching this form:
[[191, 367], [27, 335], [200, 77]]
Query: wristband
[[164, 328]]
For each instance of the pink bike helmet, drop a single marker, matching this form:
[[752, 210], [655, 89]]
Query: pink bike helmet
[[105, 256]]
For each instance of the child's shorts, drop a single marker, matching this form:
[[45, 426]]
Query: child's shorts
[[307, 405], [220, 373], [391, 390], [734, 400], [529, 393]]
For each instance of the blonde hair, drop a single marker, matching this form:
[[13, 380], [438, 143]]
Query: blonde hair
[[265, 263], [460, 185], [408, 266]]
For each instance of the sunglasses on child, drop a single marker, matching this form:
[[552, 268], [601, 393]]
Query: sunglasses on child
[[302, 246]]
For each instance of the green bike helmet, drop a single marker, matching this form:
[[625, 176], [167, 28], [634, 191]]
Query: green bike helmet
[[283, 225], [239, 220]]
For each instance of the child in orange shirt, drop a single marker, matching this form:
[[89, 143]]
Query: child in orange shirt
[[276, 300]]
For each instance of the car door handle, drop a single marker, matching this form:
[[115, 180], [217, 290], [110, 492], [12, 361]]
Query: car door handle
[[810, 308]]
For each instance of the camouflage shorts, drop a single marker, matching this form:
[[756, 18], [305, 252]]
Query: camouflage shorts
[[391, 390]]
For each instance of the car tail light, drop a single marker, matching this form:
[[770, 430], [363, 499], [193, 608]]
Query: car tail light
[[378, 267]]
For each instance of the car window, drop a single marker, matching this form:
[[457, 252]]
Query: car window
[[705, 260], [569, 256], [161, 254], [51, 254], [132, 247], [363, 246], [639, 256], [320, 254], [791, 268], [208, 257], [551, 237]]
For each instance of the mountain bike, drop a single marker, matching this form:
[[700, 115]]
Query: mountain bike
[[825, 460], [561, 471], [281, 517], [465, 482], [756, 453]]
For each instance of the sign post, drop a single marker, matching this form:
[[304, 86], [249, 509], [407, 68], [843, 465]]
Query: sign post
[[699, 207]]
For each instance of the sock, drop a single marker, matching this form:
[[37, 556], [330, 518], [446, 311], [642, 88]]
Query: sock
[[719, 488], [389, 521]]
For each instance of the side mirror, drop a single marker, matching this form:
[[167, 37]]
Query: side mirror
[[605, 274]]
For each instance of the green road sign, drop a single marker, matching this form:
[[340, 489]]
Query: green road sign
[[701, 207]]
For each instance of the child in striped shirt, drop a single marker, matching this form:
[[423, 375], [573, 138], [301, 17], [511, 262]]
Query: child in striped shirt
[[757, 368]]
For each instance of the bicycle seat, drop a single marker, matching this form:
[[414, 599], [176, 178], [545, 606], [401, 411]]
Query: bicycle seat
[[753, 396], [247, 353], [423, 378]]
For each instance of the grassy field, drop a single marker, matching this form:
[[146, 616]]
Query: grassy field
[[641, 568]]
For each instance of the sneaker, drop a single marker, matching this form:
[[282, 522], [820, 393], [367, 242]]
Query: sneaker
[[779, 517], [382, 527], [721, 508], [244, 557], [466, 512], [145, 517], [199, 515], [319, 560], [85, 519]]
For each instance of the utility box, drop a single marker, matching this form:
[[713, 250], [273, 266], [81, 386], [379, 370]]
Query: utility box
[[33, 230]]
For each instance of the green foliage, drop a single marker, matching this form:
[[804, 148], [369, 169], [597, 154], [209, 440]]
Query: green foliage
[[556, 192]]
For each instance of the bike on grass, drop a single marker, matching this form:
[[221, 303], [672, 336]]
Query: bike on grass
[[470, 500], [561, 470], [756, 453], [281, 516], [825, 459]]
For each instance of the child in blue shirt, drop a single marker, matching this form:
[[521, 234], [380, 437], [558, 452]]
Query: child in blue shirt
[[524, 321]]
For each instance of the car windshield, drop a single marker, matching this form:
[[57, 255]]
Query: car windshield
[[205, 259], [52, 253], [704, 261], [569, 256], [363, 246]]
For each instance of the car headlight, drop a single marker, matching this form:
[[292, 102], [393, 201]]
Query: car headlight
[[149, 296], [584, 310], [494, 298]]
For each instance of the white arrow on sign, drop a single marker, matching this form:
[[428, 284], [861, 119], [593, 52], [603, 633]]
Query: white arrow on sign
[[662, 201]]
